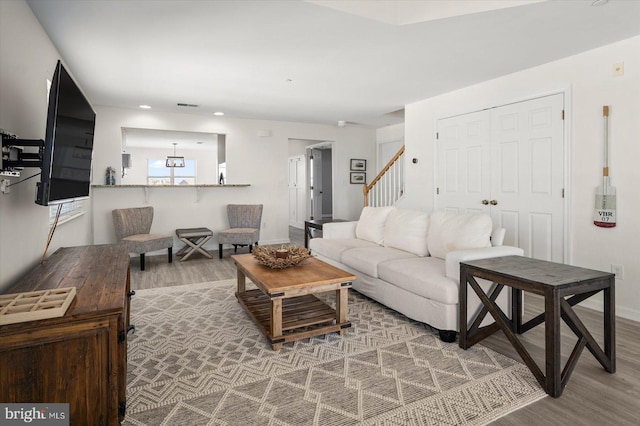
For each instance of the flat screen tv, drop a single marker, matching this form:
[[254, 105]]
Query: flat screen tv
[[68, 143]]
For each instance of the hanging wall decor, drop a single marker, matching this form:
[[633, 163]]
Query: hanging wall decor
[[605, 206], [358, 165], [358, 177]]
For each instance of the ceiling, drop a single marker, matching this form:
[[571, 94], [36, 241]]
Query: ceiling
[[314, 61]]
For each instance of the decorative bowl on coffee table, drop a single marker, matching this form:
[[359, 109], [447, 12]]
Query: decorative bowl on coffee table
[[280, 257]]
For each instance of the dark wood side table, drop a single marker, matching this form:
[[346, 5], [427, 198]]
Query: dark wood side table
[[315, 224], [555, 282]]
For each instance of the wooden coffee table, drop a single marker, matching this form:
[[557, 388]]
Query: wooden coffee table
[[284, 306]]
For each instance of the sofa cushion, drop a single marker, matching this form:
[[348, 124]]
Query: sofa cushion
[[407, 230], [450, 231], [423, 276], [367, 259], [332, 248], [370, 226]]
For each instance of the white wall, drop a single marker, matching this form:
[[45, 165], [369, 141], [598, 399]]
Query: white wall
[[390, 133], [28, 59], [299, 147], [261, 162], [588, 81]]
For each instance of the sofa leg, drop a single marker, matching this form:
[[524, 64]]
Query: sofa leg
[[170, 254], [219, 251], [448, 336], [142, 261]]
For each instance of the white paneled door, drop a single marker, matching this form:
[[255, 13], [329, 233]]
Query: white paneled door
[[463, 167], [508, 162], [297, 191], [316, 184]]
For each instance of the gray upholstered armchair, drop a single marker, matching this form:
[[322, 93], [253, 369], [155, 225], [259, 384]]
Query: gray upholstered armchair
[[133, 226], [244, 222]]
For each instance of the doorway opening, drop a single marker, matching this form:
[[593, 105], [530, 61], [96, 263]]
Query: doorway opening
[[310, 181], [320, 181]]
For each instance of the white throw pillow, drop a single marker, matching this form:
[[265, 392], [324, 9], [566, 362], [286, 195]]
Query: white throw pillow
[[370, 226], [450, 231], [407, 230]]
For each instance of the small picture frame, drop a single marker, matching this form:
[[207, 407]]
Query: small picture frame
[[358, 177], [358, 165]]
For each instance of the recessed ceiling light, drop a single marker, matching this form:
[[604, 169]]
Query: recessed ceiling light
[[218, 113], [145, 107]]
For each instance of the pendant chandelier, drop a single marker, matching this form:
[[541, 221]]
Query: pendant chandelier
[[173, 160]]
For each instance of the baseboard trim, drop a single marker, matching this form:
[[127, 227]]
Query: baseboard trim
[[621, 311]]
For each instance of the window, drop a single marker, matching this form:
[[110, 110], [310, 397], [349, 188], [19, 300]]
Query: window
[[159, 174], [69, 211]]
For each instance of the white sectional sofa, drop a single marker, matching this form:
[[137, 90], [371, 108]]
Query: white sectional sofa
[[410, 260]]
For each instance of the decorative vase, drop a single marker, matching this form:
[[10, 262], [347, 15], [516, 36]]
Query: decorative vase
[[110, 176]]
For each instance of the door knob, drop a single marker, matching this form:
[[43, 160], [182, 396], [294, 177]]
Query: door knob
[[485, 202], [493, 202]]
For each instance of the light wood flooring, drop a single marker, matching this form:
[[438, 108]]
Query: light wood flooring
[[592, 396]]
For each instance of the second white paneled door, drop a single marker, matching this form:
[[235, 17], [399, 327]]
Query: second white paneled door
[[509, 162], [297, 191]]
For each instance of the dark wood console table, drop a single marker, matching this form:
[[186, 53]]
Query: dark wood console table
[[81, 357], [555, 282], [315, 224]]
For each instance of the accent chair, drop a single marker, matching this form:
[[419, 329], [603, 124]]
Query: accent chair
[[133, 226], [244, 223]]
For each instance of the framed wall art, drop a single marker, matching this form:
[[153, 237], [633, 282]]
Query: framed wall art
[[358, 165], [358, 177]]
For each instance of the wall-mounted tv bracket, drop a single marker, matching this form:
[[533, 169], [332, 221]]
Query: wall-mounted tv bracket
[[14, 158]]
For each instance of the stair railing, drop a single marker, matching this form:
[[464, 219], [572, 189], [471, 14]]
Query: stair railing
[[388, 186]]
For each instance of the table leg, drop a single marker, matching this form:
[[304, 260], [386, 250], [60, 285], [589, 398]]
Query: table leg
[[462, 339], [610, 325], [516, 310], [342, 307], [307, 231], [552, 344], [275, 321], [241, 281]]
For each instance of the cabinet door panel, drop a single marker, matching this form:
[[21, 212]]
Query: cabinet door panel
[[31, 366]]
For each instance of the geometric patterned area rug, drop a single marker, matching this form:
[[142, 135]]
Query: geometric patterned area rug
[[196, 358]]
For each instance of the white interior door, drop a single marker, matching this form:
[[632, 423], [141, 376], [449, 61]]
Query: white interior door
[[508, 162], [316, 184], [528, 174], [297, 191], [463, 163]]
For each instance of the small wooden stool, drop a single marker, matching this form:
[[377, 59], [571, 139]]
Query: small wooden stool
[[194, 238]]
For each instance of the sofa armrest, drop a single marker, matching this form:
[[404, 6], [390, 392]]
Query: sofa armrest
[[453, 259], [497, 236], [339, 230]]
